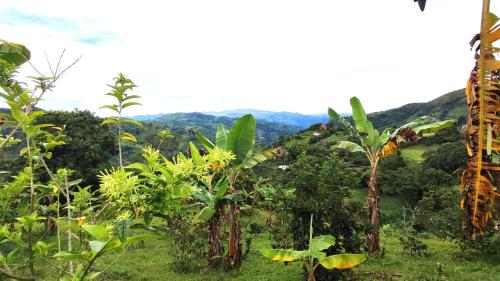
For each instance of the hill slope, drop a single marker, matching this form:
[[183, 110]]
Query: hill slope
[[451, 105]]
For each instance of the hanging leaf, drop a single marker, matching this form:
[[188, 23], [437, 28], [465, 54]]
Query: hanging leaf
[[342, 261], [122, 230], [14, 53], [221, 136]]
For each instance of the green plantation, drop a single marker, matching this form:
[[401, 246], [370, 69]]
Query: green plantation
[[405, 194]]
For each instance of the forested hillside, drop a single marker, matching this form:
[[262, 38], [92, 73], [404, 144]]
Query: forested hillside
[[450, 105]]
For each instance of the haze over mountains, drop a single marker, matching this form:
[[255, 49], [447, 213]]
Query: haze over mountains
[[292, 119]]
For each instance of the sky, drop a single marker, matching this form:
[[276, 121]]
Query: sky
[[279, 55]]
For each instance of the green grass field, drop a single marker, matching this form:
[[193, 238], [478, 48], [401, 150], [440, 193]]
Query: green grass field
[[415, 152], [446, 262]]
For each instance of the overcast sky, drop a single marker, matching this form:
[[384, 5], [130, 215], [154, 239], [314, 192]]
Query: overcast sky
[[281, 55]]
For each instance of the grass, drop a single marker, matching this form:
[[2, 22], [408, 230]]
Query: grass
[[415, 152], [446, 262], [151, 261], [387, 202]]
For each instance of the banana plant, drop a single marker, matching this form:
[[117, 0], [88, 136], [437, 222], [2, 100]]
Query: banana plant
[[123, 100], [480, 178], [211, 213], [376, 145], [239, 140], [315, 255]]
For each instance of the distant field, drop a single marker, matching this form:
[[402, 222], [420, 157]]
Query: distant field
[[415, 152]]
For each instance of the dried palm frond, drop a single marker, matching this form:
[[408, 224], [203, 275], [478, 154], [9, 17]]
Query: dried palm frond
[[482, 133]]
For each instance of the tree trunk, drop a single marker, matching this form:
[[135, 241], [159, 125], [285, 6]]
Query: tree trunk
[[373, 238], [235, 244], [215, 249], [269, 220]]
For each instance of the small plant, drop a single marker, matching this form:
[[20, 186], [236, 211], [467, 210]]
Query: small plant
[[124, 100], [315, 255], [413, 246]]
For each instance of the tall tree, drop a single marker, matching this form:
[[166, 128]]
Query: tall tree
[[376, 145], [88, 148]]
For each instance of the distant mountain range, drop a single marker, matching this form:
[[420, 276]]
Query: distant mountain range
[[289, 118], [266, 132], [297, 120]]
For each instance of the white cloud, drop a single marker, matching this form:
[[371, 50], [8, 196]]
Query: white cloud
[[279, 55]]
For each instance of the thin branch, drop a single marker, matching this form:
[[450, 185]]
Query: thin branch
[[4, 273], [48, 63]]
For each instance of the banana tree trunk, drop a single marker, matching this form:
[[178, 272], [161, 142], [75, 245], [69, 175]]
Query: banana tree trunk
[[235, 252], [373, 238], [215, 248]]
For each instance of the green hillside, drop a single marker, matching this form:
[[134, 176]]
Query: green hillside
[[451, 105]]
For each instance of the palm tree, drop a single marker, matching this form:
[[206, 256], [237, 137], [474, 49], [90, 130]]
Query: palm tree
[[376, 145]]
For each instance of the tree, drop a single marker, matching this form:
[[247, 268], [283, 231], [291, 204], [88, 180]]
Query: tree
[[376, 145], [321, 187], [88, 147]]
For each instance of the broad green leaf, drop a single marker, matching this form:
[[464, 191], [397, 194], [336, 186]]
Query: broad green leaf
[[110, 121], [122, 229], [138, 166], [135, 239], [128, 137], [321, 242], [65, 255], [129, 97], [220, 189], [342, 261], [92, 276], [113, 107], [97, 246], [363, 125], [131, 121], [412, 124], [14, 53], [97, 231], [384, 138], [102, 246], [282, 255], [130, 103], [432, 128], [221, 136], [336, 117], [204, 141], [240, 139], [23, 151], [205, 214], [260, 157], [349, 146], [195, 154]]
